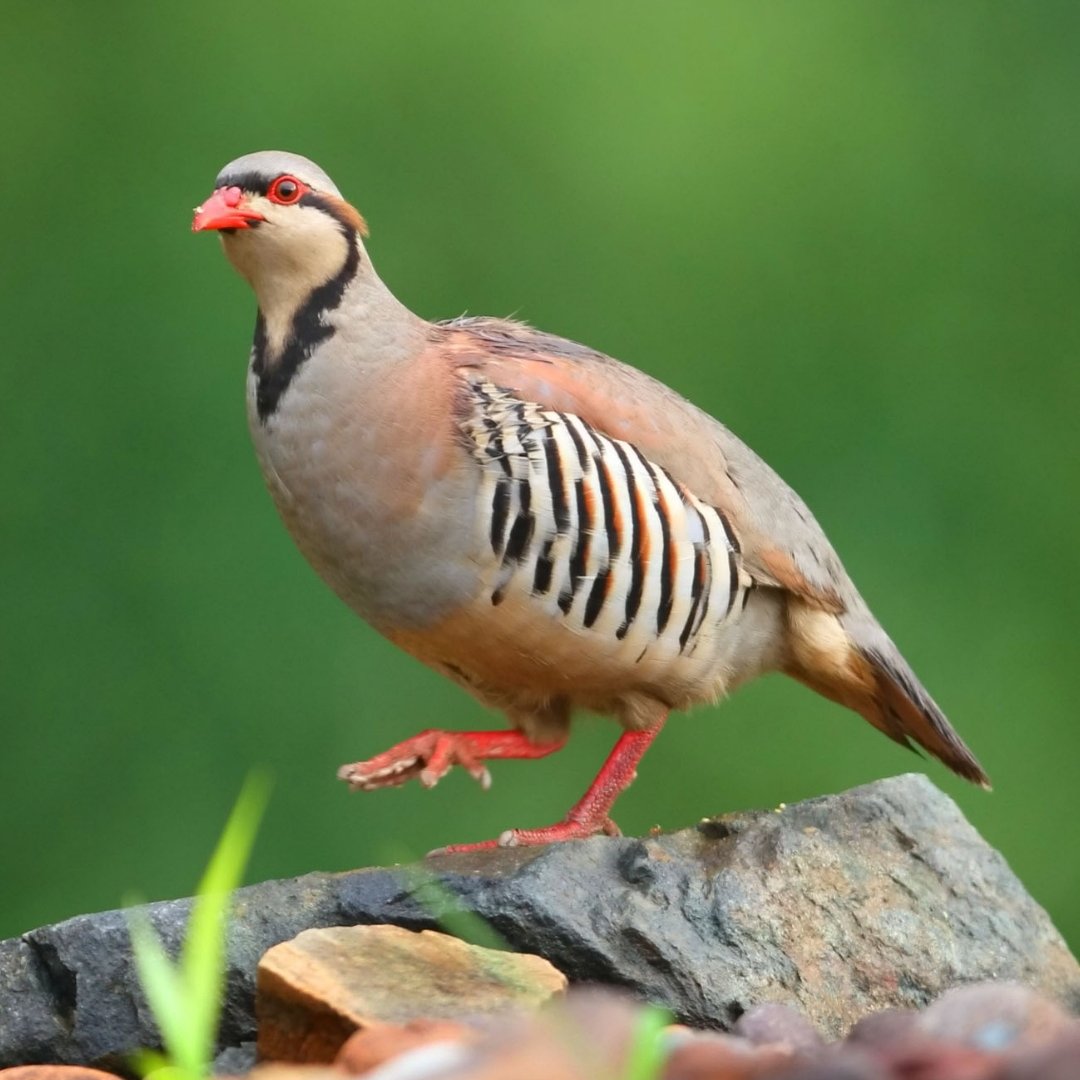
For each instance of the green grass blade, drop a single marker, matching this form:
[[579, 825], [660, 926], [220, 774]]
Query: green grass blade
[[447, 909], [185, 997], [161, 984], [648, 1052], [202, 960]]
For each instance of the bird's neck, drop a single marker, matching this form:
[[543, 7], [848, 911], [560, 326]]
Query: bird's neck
[[352, 303]]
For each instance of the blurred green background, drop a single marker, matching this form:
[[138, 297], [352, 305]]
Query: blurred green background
[[847, 229]]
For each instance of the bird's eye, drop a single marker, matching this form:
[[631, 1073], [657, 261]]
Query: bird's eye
[[285, 190]]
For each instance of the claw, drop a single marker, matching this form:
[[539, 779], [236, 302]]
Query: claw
[[395, 774], [573, 828], [458, 849], [429, 778], [430, 755]]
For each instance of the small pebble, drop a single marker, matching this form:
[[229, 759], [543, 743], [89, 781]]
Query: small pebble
[[834, 1063], [883, 1028], [370, 1047], [434, 1060], [993, 1017], [1058, 1060], [54, 1072], [774, 1024], [715, 1056]]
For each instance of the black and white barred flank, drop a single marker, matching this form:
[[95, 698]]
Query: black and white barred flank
[[590, 527]]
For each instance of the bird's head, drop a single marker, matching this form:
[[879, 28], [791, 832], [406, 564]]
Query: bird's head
[[283, 225]]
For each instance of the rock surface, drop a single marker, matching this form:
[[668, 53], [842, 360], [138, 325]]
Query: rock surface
[[370, 1047], [313, 992], [595, 1032], [54, 1072], [879, 897]]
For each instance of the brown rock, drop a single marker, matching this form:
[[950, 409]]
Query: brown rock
[[884, 1027], [582, 1038], [711, 1056], [596, 1023], [849, 1064], [275, 1071], [1057, 1060], [54, 1072], [370, 1047], [530, 1055], [929, 1060], [773, 1024], [313, 992], [993, 1017]]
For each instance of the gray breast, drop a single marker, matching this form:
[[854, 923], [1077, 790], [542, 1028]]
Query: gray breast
[[336, 483]]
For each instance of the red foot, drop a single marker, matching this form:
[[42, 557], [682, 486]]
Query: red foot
[[552, 834], [430, 755], [590, 815]]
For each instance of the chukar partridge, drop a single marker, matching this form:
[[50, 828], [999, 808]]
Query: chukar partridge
[[549, 528]]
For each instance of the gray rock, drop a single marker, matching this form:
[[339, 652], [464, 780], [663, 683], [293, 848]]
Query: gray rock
[[881, 897], [235, 1060]]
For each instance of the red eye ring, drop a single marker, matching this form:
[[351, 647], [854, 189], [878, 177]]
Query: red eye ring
[[286, 190]]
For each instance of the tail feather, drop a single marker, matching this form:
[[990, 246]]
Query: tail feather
[[851, 660], [911, 713]]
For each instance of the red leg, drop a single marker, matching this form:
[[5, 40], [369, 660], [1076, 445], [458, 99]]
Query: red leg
[[590, 814], [430, 755]]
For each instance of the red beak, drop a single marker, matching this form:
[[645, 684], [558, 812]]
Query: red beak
[[223, 211]]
